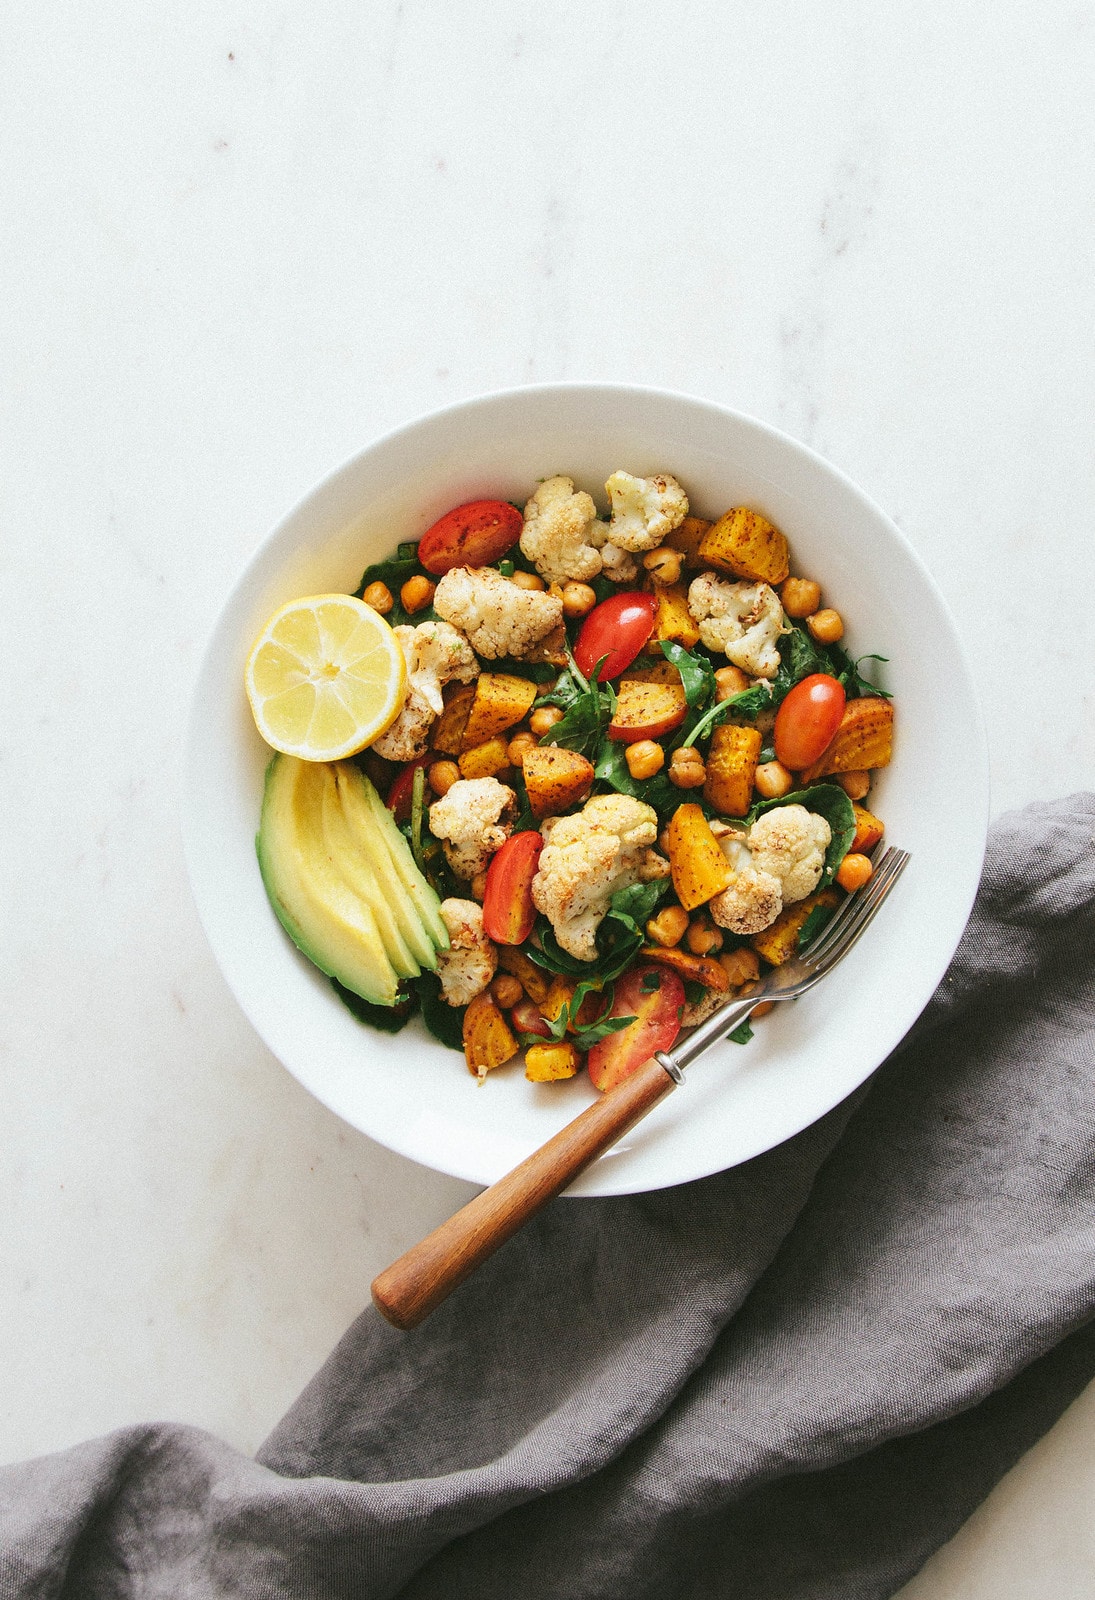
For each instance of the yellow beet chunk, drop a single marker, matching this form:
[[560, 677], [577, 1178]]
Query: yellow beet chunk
[[746, 544], [547, 1063], [673, 621], [488, 1042], [647, 711], [779, 943], [555, 779], [700, 870], [863, 740], [731, 769], [653, 672], [501, 699], [558, 997], [486, 760], [448, 730], [868, 830], [687, 538], [533, 979]]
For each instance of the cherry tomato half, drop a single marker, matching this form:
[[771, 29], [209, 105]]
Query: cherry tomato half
[[654, 997], [472, 535], [807, 720], [617, 628], [508, 911]]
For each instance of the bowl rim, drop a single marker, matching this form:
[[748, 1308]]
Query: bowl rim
[[977, 751]]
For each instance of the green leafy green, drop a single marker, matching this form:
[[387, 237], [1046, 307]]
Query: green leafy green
[[389, 1019], [697, 673], [813, 925], [394, 573], [407, 551], [585, 1037], [610, 765], [856, 686], [588, 709], [445, 1022], [829, 801], [536, 671], [742, 1033], [620, 936], [635, 905]]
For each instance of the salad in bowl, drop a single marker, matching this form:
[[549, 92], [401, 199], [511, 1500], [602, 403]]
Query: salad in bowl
[[562, 777]]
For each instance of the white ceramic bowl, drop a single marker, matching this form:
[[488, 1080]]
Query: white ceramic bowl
[[406, 1090]]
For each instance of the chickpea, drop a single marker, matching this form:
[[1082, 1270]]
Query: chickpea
[[669, 926], [826, 626], [544, 718], [702, 938], [442, 776], [686, 768], [663, 843], [477, 888], [379, 596], [663, 564], [801, 597], [772, 780], [518, 746], [506, 990], [417, 593], [763, 1009], [854, 784], [644, 758], [527, 580], [730, 681], [740, 966], [555, 590], [578, 599], [854, 871]]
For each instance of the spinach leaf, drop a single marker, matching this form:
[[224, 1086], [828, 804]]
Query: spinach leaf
[[697, 673], [408, 551], [828, 800], [635, 905], [610, 765], [445, 1022], [536, 671], [389, 1019], [742, 1033], [751, 702], [693, 992], [813, 925], [589, 710], [592, 1033], [855, 685], [394, 573], [619, 938]]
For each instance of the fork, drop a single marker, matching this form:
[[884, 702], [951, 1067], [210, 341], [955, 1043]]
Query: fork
[[412, 1287]]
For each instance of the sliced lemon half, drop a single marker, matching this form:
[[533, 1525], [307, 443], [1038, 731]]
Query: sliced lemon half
[[325, 677]]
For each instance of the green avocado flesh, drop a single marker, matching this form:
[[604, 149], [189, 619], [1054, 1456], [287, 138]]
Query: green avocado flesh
[[342, 879]]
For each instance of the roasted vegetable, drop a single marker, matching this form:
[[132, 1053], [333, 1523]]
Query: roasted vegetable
[[547, 1063], [779, 943], [646, 711], [485, 760], [488, 1042], [864, 740], [731, 768], [448, 730], [673, 622], [555, 779], [746, 544], [501, 699], [868, 829], [693, 969], [687, 538], [700, 870], [533, 980]]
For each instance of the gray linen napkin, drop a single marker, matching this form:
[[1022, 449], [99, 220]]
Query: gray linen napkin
[[790, 1381]]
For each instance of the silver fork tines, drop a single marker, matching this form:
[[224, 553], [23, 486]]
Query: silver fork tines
[[794, 977]]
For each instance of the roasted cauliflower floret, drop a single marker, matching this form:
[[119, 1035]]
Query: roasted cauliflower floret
[[435, 655], [644, 510], [473, 821], [619, 565], [755, 898], [586, 858], [706, 1006], [744, 620], [469, 964], [498, 618], [790, 842], [559, 521]]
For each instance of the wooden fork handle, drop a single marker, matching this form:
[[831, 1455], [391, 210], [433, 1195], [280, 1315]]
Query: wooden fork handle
[[407, 1291]]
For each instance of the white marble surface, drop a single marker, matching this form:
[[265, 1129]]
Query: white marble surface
[[243, 239]]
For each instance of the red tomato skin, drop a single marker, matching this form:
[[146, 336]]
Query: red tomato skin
[[526, 1017], [399, 795], [807, 720], [617, 628], [508, 911], [657, 1014], [472, 535]]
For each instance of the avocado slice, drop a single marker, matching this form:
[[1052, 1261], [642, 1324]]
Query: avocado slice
[[414, 884], [371, 837], [355, 866], [326, 920]]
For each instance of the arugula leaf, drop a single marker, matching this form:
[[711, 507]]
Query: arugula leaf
[[445, 1022], [394, 573], [813, 925], [389, 1019], [536, 671], [828, 800], [855, 685], [408, 551], [693, 992], [697, 673], [619, 938], [610, 765], [742, 1033], [592, 1033], [635, 905], [590, 707], [751, 702]]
